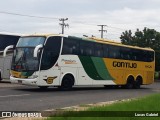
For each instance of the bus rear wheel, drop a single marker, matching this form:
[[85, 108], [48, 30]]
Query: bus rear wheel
[[130, 82], [67, 82], [138, 82]]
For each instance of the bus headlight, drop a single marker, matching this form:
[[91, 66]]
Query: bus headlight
[[33, 76]]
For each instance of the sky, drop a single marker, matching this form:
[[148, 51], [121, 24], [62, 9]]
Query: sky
[[83, 16]]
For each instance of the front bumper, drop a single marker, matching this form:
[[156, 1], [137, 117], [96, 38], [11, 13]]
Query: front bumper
[[23, 81]]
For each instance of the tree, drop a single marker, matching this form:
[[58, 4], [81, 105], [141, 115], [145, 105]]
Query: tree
[[126, 38], [146, 38]]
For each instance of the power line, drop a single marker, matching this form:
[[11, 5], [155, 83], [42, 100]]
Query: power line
[[91, 24], [63, 24], [116, 28], [42, 17], [63, 20], [24, 15]]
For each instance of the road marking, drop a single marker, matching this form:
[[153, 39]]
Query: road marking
[[14, 95]]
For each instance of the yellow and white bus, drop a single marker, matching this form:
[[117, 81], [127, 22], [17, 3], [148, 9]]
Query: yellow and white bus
[[66, 61]]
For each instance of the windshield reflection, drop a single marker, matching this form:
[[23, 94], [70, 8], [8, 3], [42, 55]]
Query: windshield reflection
[[23, 60]]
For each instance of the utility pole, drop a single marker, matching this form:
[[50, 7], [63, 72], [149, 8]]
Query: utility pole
[[102, 30], [63, 24]]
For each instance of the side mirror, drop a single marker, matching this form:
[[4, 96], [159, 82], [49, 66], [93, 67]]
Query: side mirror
[[35, 54], [6, 49]]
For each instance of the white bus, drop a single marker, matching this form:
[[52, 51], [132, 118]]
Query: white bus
[[66, 61], [6, 39]]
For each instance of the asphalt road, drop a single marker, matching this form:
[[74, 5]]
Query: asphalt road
[[26, 98]]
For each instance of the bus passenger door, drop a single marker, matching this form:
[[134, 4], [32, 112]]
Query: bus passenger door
[[50, 71]]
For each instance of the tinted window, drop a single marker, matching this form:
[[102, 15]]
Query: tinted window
[[136, 55], [105, 50], [51, 52], [98, 48], [125, 53], [141, 55], [150, 56], [86, 48], [70, 46], [78, 46], [114, 52]]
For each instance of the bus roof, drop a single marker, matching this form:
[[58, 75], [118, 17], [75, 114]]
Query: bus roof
[[45, 35], [105, 41], [99, 40]]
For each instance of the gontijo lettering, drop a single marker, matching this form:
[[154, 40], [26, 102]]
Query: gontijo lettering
[[124, 64]]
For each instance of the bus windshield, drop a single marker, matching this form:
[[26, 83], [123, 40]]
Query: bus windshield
[[30, 41], [23, 59]]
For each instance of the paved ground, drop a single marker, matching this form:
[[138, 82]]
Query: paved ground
[[26, 98]]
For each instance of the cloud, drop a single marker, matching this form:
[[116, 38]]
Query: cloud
[[117, 21], [84, 16]]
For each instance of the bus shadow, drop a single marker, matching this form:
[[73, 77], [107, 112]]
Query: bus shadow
[[74, 89]]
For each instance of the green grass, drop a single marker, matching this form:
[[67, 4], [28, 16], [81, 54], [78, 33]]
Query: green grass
[[125, 108], [149, 103]]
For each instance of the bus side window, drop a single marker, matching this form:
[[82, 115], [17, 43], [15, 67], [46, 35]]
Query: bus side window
[[89, 48], [150, 56], [98, 48], [144, 54], [125, 53], [114, 52], [86, 48], [70, 46], [132, 55], [105, 49], [51, 52]]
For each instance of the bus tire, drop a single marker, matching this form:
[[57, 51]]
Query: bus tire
[[138, 82], [67, 82], [130, 82]]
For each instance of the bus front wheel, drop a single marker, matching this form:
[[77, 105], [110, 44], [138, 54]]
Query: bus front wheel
[[67, 82]]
